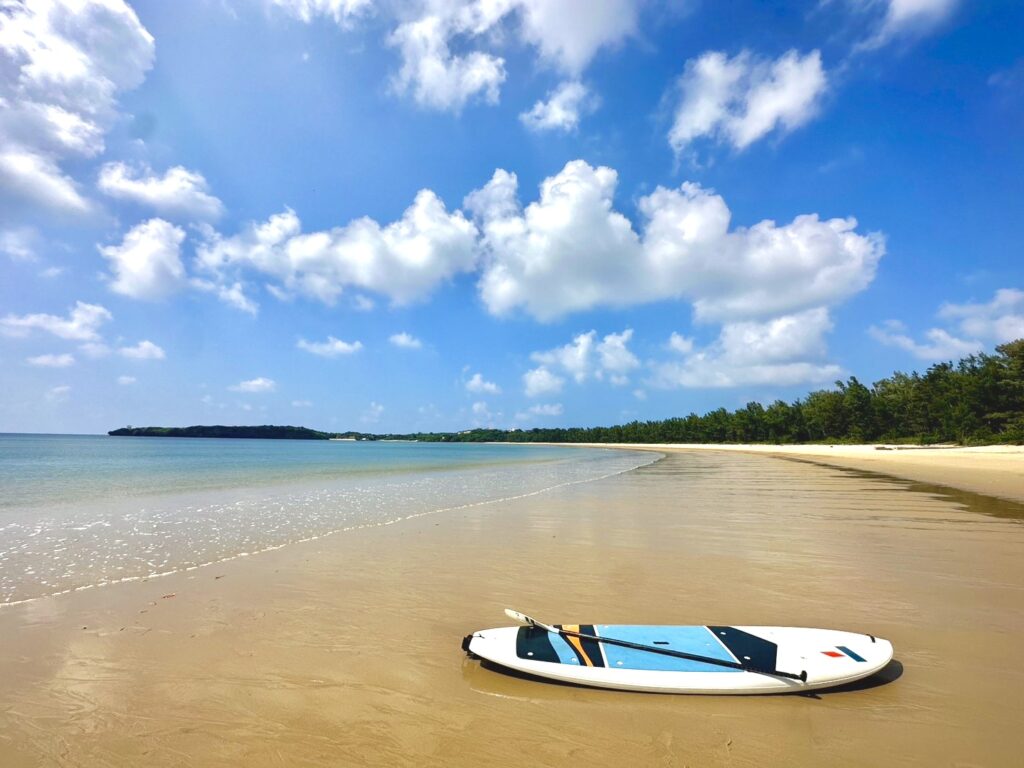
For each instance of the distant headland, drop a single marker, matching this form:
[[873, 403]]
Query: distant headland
[[266, 432]]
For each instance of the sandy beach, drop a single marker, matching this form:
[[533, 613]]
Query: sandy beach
[[345, 650], [992, 470]]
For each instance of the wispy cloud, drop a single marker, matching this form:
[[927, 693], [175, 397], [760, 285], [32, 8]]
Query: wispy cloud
[[541, 409], [51, 361], [58, 394], [81, 324], [372, 413]]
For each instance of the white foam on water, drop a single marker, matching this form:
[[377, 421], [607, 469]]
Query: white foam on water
[[81, 549]]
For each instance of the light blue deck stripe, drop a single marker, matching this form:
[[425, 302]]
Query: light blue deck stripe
[[696, 640], [566, 655]]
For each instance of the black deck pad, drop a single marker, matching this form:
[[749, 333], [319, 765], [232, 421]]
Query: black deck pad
[[748, 649], [535, 643]]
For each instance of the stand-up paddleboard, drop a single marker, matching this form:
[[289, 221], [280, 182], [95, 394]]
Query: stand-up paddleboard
[[669, 659]]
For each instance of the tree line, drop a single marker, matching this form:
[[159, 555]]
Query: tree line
[[978, 400], [265, 432]]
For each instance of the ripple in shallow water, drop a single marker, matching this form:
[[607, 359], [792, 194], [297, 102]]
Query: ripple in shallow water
[[77, 547]]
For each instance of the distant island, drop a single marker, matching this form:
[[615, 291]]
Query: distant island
[[977, 401], [265, 432]]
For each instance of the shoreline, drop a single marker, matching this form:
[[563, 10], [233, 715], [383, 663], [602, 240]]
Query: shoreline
[[225, 494]]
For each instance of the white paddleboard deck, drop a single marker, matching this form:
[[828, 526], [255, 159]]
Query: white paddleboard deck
[[829, 657]]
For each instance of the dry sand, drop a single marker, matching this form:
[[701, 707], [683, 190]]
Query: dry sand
[[345, 651]]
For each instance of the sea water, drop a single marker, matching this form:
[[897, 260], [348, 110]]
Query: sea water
[[79, 511]]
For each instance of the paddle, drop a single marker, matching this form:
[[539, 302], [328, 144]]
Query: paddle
[[522, 618]]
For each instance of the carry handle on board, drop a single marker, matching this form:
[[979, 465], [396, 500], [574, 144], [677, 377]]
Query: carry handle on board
[[522, 618]]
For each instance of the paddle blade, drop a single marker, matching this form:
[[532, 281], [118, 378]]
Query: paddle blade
[[522, 618]]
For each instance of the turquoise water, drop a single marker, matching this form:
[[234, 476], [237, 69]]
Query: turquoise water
[[79, 511]]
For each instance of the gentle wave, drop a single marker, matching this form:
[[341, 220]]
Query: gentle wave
[[90, 546]]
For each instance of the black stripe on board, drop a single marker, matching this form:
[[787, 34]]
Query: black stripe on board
[[591, 647], [534, 643], [748, 649], [568, 642]]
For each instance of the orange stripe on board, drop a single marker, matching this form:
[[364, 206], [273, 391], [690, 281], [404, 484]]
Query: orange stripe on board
[[575, 643]]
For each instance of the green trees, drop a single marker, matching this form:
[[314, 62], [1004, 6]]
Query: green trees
[[265, 432], [978, 400]]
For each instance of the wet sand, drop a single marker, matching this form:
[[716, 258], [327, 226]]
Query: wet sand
[[992, 470], [345, 651]]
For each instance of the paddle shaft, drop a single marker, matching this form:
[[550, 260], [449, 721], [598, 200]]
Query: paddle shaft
[[802, 677]]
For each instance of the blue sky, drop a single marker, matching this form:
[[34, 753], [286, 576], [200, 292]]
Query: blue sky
[[439, 214]]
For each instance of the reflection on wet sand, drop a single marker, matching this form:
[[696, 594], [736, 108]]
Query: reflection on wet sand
[[346, 651]]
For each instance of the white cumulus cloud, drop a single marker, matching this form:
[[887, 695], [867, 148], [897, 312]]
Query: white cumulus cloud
[[81, 324], [680, 344], [405, 340], [404, 260], [741, 99], [539, 381], [331, 348], [562, 110], [435, 76], [782, 351], [569, 33], [585, 357], [571, 250], [126, 381], [480, 385], [64, 62], [257, 385], [144, 350], [179, 192], [575, 358], [147, 264], [614, 357], [450, 50]]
